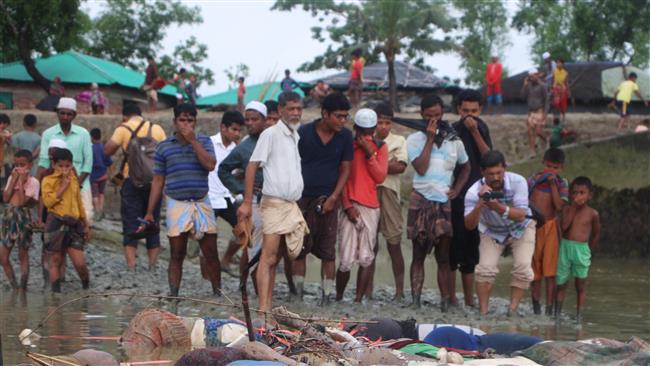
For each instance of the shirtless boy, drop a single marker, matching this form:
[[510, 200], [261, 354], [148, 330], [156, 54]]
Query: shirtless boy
[[580, 235], [548, 192]]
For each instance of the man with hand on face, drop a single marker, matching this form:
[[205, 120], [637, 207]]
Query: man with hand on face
[[359, 218], [283, 225], [476, 138], [326, 152], [498, 205], [78, 141], [434, 155], [182, 164]]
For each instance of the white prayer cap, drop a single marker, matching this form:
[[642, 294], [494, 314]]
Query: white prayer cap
[[67, 103], [256, 106], [532, 71], [365, 118], [546, 55], [58, 143], [94, 86]]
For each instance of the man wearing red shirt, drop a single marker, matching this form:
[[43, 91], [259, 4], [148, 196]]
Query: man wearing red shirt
[[355, 87], [359, 219], [493, 73]]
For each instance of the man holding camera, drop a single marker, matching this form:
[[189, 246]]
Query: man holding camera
[[498, 205]]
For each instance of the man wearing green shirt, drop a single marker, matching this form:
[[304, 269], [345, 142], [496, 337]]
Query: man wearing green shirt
[[78, 141]]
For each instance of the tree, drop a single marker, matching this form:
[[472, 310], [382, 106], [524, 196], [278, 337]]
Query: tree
[[188, 55], [485, 26], [588, 29], [39, 27], [127, 31], [233, 73], [383, 27]]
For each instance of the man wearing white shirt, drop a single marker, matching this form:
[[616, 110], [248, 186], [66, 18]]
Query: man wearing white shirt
[[221, 200], [283, 225]]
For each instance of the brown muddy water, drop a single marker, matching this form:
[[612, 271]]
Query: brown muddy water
[[618, 306]]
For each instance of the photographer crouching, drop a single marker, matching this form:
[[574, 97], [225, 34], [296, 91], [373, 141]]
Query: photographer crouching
[[498, 205]]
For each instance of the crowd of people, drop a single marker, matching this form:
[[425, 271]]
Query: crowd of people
[[327, 188]]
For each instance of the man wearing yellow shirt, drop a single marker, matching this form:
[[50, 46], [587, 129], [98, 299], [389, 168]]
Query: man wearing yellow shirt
[[135, 199], [560, 90], [623, 96]]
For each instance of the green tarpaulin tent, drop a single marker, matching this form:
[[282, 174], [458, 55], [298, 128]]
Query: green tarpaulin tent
[[75, 67], [260, 92]]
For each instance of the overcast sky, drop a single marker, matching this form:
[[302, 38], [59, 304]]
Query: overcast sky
[[247, 31]]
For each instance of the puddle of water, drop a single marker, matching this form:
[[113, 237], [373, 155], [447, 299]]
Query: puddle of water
[[618, 306]]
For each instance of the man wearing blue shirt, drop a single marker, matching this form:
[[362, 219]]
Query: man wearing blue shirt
[[182, 165]]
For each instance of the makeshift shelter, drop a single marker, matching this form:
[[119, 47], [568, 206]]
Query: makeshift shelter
[[593, 84], [375, 76], [260, 92], [77, 71]]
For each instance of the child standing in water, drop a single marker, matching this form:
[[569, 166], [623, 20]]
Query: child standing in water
[[549, 193], [66, 228], [580, 235], [21, 193]]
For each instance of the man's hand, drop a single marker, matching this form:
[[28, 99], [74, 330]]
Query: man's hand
[[329, 204], [471, 123], [452, 193], [432, 128], [352, 214], [149, 217], [86, 231], [245, 210], [365, 145], [14, 175], [187, 133]]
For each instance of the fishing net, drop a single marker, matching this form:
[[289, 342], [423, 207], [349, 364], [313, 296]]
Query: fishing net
[[596, 352], [215, 356], [154, 328]]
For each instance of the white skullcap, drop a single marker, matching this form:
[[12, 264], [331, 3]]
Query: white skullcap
[[365, 118], [546, 55], [58, 143], [532, 71], [67, 103], [94, 85], [256, 106]]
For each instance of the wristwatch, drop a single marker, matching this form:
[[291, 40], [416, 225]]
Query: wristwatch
[[505, 213]]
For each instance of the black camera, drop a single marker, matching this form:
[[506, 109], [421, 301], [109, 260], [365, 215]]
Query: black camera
[[494, 195]]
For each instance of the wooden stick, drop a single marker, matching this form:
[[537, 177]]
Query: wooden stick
[[38, 358], [243, 278]]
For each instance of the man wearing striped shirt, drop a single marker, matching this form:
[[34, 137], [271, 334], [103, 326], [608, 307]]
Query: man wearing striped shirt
[[182, 164]]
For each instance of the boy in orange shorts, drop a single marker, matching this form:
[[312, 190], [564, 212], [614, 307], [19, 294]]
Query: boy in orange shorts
[[548, 194]]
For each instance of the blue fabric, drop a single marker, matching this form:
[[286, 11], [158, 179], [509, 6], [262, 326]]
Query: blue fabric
[[101, 162], [320, 163], [211, 330], [185, 177], [506, 343], [452, 337]]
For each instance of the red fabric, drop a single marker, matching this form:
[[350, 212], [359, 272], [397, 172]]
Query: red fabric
[[493, 73], [365, 175], [357, 69], [493, 89], [560, 98]]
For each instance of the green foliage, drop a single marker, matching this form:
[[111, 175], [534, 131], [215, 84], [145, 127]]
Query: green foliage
[[587, 30], [485, 29], [188, 55], [127, 31], [44, 26], [378, 27], [233, 73]]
